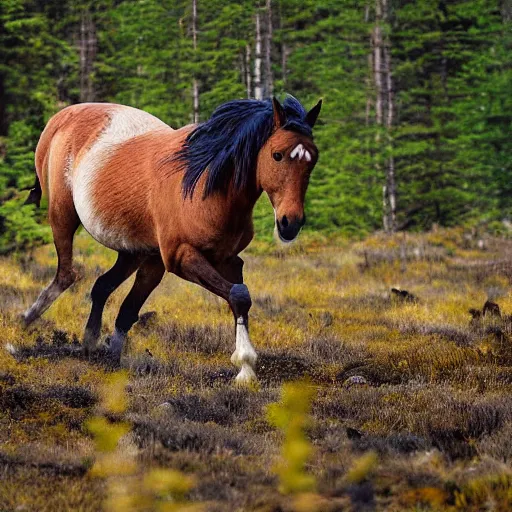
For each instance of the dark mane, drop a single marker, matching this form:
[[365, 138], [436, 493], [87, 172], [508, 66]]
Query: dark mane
[[227, 145]]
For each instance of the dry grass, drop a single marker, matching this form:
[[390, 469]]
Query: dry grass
[[413, 409]]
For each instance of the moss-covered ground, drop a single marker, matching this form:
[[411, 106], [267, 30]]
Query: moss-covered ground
[[412, 406]]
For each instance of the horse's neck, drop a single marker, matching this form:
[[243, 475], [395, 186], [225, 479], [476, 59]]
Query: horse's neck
[[242, 202]]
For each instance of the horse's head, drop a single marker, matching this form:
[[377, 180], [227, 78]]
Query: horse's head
[[285, 163]]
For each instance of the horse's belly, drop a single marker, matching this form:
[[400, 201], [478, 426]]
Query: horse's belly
[[112, 237], [120, 228]]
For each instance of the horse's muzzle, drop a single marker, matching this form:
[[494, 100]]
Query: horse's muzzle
[[288, 229]]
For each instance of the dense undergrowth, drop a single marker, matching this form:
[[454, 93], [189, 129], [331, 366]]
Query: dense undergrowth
[[410, 395]]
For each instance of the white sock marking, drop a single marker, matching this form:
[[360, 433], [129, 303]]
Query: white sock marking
[[244, 355], [10, 348], [246, 375], [244, 352], [46, 298]]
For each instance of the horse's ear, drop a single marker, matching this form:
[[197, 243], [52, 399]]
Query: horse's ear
[[312, 115], [279, 114]]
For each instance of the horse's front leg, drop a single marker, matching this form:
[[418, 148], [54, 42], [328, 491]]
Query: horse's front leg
[[190, 264], [244, 355]]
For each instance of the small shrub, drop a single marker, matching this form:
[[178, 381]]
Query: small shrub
[[291, 416]]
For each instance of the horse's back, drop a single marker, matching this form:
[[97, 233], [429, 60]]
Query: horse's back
[[72, 132], [75, 147]]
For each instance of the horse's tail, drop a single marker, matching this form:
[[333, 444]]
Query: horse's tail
[[35, 193]]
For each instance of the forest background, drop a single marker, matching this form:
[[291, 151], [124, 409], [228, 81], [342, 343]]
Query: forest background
[[415, 127]]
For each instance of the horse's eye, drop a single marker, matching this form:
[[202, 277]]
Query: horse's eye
[[277, 156]]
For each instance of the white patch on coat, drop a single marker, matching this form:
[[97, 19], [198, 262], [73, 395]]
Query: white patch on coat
[[244, 355], [125, 124]]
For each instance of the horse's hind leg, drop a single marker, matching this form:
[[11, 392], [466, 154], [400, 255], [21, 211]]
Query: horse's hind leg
[[64, 222], [125, 265], [148, 278]]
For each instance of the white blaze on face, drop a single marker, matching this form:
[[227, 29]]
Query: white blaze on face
[[301, 152], [125, 124]]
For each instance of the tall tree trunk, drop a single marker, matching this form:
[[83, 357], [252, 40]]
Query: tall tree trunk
[[506, 10], [369, 79], [258, 89], [377, 62], [269, 82], [390, 165], [377, 78], [88, 49], [195, 85], [384, 113], [248, 76], [284, 47], [284, 61]]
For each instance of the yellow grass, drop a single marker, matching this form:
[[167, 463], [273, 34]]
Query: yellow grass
[[413, 410]]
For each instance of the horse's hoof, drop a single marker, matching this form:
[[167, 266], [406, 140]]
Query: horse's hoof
[[90, 343], [89, 351], [116, 344], [24, 320], [246, 376], [248, 356]]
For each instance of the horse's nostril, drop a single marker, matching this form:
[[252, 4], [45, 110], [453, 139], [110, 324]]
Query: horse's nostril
[[284, 221]]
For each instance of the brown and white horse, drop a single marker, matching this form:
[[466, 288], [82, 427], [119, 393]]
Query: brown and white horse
[[130, 179]]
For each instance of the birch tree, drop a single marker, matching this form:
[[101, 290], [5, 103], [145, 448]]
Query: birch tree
[[258, 88], [269, 81], [248, 75], [384, 112], [88, 46], [195, 85], [390, 210]]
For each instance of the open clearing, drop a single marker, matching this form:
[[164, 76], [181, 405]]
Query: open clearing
[[415, 381]]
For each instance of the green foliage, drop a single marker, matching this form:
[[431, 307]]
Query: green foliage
[[113, 400], [291, 416], [451, 72], [129, 488], [362, 467], [19, 227], [106, 434], [452, 77]]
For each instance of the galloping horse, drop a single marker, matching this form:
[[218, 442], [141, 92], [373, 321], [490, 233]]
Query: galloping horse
[[170, 200]]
